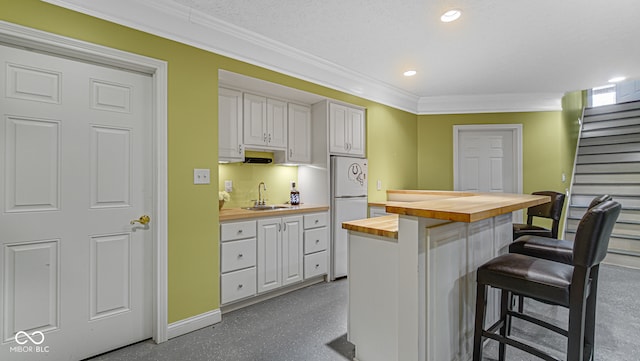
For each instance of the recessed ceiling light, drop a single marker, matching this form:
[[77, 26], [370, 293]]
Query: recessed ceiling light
[[617, 79], [410, 73], [450, 15]]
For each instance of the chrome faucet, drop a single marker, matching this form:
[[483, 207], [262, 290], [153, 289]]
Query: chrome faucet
[[261, 202]]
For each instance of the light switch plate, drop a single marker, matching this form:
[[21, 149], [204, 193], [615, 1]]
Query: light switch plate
[[201, 176], [379, 184], [228, 186]]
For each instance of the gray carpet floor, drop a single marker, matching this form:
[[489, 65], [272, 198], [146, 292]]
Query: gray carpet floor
[[310, 325]]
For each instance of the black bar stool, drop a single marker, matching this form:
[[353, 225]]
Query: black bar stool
[[553, 249], [558, 250], [551, 210], [550, 282]]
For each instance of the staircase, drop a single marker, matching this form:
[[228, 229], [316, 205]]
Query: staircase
[[608, 162]]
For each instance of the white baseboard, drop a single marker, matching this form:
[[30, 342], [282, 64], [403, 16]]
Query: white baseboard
[[191, 324]]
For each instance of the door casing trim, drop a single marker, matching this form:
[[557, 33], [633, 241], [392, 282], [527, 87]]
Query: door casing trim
[[37, 40]]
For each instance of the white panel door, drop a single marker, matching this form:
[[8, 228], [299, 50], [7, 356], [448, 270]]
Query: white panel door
[[338, 122], [75, 274], [254, 116], [292, 250], [276, 123], [299, 134], [230, 125], [487, 163], [269, 261]]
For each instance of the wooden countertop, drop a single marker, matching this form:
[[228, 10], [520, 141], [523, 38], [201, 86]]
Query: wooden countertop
[[465, 206], [385, 226], [450, 206], [230, 214]]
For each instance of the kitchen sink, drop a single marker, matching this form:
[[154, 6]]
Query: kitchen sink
[[266, 208]]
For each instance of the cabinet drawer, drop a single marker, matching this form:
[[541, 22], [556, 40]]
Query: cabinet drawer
[[236, 255], [238, 284], [315, 264], [315, 220], [237, 230], [315, 240]]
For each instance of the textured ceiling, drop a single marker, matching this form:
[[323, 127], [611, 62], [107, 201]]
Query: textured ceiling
[[501, 55], [497, 47]]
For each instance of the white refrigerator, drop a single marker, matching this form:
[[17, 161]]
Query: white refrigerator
[[348, 202]]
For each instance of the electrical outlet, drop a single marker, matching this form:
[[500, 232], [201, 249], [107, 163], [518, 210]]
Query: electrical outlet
[[228, 186], [201, 176]]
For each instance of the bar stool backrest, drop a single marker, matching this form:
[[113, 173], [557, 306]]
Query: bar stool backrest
[[599, 199], [551, 210], [592, 236]]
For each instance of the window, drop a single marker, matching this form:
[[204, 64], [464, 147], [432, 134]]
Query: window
[[603, 95]]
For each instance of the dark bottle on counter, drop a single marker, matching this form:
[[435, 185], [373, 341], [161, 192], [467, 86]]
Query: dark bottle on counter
[[295, 195]]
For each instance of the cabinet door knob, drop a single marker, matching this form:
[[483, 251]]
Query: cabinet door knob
[[316, 221], [317, 266], [240, 255], [240, 286], [317, 241], [239, 231]]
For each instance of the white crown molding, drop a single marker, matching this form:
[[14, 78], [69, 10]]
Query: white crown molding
[[177, 22], [490, 103]]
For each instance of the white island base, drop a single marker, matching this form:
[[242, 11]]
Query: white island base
[[413, 297]]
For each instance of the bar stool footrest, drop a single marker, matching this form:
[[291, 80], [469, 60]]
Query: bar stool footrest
[[517, 344]]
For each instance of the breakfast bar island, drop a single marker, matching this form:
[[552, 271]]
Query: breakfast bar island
[[412, 273]]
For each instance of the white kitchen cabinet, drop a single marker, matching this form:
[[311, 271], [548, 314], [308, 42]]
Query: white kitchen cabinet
[[238, 272], [265, 122], [299, 137], [230, 147], [316, 240], [292, 250], [279, 252], [346, 130]]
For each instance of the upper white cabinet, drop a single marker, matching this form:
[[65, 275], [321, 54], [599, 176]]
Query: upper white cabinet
[[230, 147], [346, 130], [265, 122], [299, 137]]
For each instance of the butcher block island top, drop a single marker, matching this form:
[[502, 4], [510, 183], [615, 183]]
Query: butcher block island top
[[464, 206], [385, 226], [444, 205]]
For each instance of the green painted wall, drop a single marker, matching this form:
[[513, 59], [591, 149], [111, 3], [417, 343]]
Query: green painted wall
[[542, 141], [192, 127], [549, 143]]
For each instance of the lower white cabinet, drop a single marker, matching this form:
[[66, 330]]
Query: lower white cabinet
[[315, 264], [279, 252], [237, 285], [316, 239], [264, 254], [237, 261]]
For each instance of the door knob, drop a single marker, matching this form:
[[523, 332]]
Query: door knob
[[142, 220]]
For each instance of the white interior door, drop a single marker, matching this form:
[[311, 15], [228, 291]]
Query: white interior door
[[488, 158], [76, 155]]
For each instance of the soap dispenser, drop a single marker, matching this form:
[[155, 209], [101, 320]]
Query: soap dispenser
[[295, 195]]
